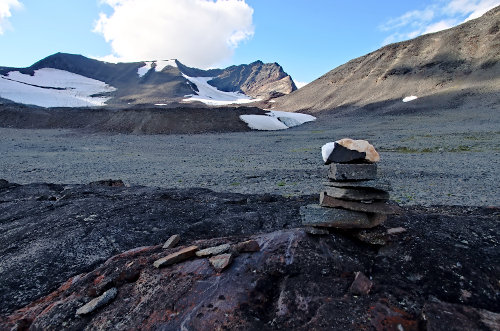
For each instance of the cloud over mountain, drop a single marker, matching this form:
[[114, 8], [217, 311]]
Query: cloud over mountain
[[440, 15], [201, 33], [5, 13]]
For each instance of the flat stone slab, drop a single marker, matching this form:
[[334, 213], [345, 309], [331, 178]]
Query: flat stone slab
[[179, 256], [221, 262], [374, 207], [172, 241], [216, 250], [356, 194], [248, 246], [348, 171], [378, 184], [100, 301], [317, 216]]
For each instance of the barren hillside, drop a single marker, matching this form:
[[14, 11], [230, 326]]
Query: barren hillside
[[460, 61]]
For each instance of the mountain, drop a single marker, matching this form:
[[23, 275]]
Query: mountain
[[445, 67], [68, 80]]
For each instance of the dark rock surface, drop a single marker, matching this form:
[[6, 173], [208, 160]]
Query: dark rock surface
[[147, 120], [447, 258], [341, 154], [50, 232], [350, 172]]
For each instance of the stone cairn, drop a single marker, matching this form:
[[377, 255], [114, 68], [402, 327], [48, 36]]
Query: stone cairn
[[353, 197]]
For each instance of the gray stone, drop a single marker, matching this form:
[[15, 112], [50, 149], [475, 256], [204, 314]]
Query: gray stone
[[172, 241], [397, 230], [356, 194], [374, 207], [316, 231], [221, 262], [216, 250], [100, 301], [315, 215], [247, 246], [179, 256], [348, 171], [379, 184], [361, 284]]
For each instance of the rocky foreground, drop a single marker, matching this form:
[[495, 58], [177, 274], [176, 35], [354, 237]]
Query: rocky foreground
[[64, 246]]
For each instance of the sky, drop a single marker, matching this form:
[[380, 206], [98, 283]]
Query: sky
[[307, 37]]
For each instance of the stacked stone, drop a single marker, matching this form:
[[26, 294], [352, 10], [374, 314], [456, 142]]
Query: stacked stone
[[353, 197]]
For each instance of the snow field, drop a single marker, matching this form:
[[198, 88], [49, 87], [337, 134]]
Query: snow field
[[210, 95], [276, 120], [53, 88]]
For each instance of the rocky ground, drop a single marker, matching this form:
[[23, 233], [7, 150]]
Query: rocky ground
[[430, 267], [448, 157]]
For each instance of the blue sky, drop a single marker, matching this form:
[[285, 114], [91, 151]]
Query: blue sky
[[307, 37]]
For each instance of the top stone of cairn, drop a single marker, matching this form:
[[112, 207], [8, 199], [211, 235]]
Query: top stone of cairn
[[349, 151]]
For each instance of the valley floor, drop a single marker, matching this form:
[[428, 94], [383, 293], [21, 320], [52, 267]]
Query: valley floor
[[447, 160]]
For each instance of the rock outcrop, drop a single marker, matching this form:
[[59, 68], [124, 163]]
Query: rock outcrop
[[295, 281]]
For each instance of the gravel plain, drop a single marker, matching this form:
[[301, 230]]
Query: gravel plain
[[430, 160]]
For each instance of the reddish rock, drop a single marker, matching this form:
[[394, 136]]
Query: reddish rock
[[177, 257], [374, 207], [247, 246]]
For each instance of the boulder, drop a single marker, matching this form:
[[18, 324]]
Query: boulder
[[221, 262], [179, 256], [100, 301], [172, 241], [315, 215], [375, 207], [361, 284], [356, 194], [349, 151], [343, 172], [216, 250]]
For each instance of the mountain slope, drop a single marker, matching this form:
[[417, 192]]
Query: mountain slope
[[149, 82], [464, 59]]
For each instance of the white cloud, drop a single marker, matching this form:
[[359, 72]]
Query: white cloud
[[199, 33], [440, 15], [5, 13]]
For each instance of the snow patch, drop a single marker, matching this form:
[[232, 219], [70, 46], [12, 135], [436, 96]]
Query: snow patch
[[50, 87], [326, 150], [263, 122], [144, 70], [276, 120], [410, 98], [291, 119], [210, 95]]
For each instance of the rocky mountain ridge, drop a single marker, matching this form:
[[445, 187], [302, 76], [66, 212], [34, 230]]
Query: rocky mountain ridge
[[449, 65], [164, 82]]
